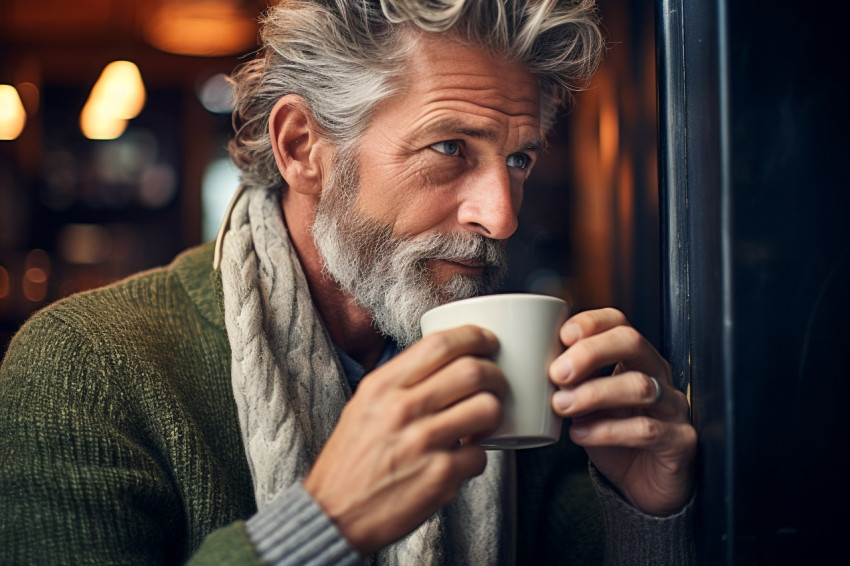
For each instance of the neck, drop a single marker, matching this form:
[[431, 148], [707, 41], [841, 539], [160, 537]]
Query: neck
[[349, 325]]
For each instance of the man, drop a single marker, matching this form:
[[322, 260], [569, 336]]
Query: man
[[383, 147]]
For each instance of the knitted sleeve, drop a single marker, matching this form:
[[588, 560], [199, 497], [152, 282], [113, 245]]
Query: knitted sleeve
[[82, 480], [294, 531], [570, 516], [635, 538]]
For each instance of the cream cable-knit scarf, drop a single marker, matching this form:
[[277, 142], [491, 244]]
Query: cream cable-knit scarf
[[290, 390]]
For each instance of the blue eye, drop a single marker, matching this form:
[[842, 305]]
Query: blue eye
[[449, 147], [519, 160]]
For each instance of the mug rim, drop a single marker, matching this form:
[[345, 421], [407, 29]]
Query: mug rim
[[536, 297]]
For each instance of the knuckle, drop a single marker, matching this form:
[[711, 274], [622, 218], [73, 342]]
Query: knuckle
[[477, 374], [440, 343], [645, 387], [398, 451], [490, 409], [442, 469], [629, 336], [588, 396], [471, 371], [402, 410], [583, 350], [447, 343], [648, 429], [612, 317], [418, 437], [616, 315]]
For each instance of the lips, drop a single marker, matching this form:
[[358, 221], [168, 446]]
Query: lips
[[444, 269], [467, 263]]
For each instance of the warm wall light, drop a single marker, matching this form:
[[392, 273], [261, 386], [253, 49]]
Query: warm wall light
[[117, 96], [12, 114], [201, 27], [119, 90], [36, 276], [99, 125], [34, 284]]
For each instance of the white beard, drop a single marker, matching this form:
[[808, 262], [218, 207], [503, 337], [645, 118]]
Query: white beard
[[390, 276]]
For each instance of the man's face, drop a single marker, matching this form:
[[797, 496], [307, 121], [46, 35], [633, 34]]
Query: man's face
[[417, 217]]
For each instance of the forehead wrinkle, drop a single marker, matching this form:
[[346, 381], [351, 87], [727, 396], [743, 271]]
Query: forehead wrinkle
[[489, 90], [488, 109], [513, 109]]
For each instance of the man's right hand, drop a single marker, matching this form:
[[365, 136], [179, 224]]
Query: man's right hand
[[394, 458]]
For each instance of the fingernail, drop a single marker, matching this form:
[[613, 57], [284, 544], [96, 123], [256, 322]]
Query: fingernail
[[562, 369], [563, 400], [578, 431], [572, 333]]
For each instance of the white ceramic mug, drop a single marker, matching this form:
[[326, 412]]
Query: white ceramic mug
[[527, 328]]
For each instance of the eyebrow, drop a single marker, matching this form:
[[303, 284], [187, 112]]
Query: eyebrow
[[456, 126]]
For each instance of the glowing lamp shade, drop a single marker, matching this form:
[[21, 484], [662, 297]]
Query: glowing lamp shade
[[13, 117], [205, 28], [98, 124], [117, 96]]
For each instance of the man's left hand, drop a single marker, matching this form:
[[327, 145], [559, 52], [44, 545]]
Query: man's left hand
[[634, 424]]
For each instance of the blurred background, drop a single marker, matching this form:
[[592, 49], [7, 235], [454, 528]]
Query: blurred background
[[92, 192]]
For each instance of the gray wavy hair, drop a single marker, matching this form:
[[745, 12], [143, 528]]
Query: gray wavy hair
[[343, 56]]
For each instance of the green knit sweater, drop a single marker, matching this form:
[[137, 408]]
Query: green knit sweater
[[120, 441]]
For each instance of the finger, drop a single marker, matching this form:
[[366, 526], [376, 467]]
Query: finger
[[621, 344], [459, 379], [449, 469], [626, 390], [474, 417], [471, 460], [641, 432], [589, 323], [435, 351]]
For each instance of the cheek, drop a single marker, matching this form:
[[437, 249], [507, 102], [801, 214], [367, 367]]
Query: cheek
[[413, 194], [382, 178]]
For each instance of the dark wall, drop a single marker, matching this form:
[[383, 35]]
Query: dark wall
[[791, 275], [755, 137]]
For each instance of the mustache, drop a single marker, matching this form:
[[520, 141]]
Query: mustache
[[473, 248], [378, 246]]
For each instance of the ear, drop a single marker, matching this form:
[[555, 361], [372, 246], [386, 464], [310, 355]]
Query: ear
[[299, 151]]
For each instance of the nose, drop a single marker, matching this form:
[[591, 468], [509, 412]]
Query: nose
[[490, 203]]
